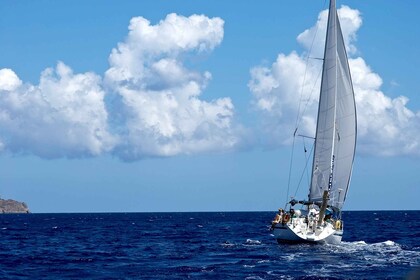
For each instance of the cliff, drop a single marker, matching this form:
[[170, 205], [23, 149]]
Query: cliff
[[13, 206]]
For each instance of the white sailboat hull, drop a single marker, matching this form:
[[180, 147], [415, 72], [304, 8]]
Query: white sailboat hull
[[298, 231]]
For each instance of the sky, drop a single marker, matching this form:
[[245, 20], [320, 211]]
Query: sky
[[160, 106]]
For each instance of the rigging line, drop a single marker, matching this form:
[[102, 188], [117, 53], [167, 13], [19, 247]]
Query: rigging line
[[305, 136], [299, 116], [308, 157], [317, 58], [290, 168], [310, 97], [304, 169]]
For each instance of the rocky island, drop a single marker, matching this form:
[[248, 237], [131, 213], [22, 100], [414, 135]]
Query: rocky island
[[12, 206]]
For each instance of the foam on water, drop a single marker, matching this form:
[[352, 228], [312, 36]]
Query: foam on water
[[227, 244], [253, 278], [252, 242], [377, 254], [291, 257], [389, 243]]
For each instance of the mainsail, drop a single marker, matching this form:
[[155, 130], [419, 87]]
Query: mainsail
[[335, 139]]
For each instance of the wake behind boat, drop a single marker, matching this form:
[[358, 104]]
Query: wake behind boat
[[319, 219]]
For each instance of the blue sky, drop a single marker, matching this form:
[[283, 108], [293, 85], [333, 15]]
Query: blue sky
[[195, 113]]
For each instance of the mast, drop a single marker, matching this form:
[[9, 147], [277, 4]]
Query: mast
[[334, 9]]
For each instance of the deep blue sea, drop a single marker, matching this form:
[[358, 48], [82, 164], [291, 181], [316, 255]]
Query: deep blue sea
[[227, 245]]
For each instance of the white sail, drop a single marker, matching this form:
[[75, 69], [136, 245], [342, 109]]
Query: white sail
[[336, 126]]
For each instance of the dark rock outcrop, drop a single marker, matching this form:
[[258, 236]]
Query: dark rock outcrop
[[13, 206]]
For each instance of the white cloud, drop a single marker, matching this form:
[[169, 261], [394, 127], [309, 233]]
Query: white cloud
[[9, 81], [163, 114], [276, 91], [146, 43], [147, 105], [63, 116], [386, 126], [350, 21]]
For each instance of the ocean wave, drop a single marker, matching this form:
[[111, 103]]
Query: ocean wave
[[363, 243], [253, 278], [290, 257], [227, 244], [252, 242], [377, 254]]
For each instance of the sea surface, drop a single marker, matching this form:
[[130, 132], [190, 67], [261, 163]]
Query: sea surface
[[227, 245]]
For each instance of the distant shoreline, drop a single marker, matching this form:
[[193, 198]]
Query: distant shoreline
[[10, 206]]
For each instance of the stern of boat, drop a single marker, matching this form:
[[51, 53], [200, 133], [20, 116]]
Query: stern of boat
[[298, 231]]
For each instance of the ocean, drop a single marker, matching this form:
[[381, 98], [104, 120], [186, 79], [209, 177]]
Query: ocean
[[225, 245]]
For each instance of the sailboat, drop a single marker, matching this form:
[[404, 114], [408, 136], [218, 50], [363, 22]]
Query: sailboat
[[319, 218]]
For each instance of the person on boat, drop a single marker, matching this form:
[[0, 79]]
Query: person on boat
[[278, 217], [281, 214], [292, 212], [313, 212], [328, 214], [313, 218]]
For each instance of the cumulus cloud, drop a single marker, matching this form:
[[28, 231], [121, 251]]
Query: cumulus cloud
[[160, 97], [148, 103], [350, 21], [146, 43], [386, 126], [64, 115]]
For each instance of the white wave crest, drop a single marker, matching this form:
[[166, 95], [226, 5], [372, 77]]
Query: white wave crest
[[253, 242], [390, 243], [378, 254], [248, 266], [227, 244]]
